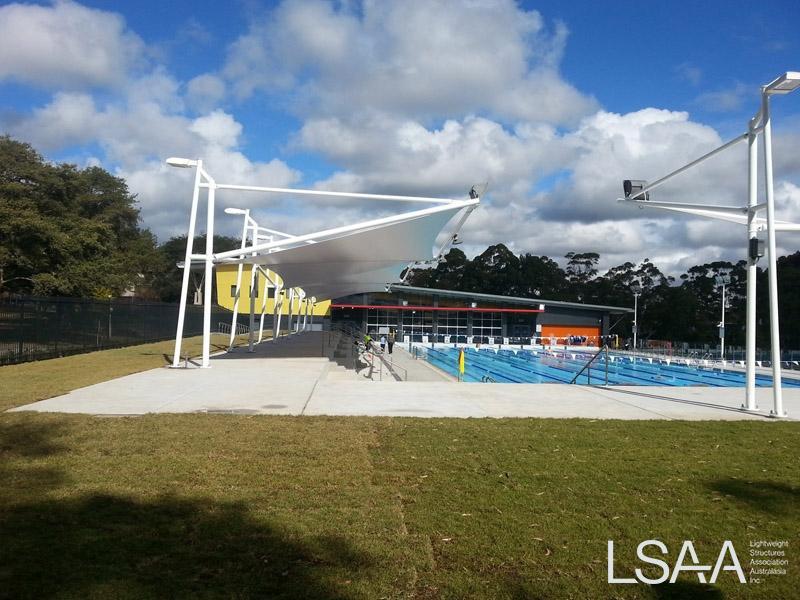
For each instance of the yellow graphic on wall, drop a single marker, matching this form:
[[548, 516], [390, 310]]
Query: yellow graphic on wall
[[226, 293]]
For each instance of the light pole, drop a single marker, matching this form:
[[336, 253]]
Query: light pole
[[638, 192], [637, 291], [722, 280], [784, 84], [210, 185]]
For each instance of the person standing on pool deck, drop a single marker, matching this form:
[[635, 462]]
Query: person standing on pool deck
[[383, 343], [390, 340]]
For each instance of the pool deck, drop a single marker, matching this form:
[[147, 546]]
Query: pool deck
[[291, 377]]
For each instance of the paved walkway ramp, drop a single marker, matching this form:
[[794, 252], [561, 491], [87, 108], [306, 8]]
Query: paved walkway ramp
[[299, 375]]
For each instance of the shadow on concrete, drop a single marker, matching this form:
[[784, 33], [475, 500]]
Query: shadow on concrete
[[766, 496], [58, 544], [300, 345], [679, 400]]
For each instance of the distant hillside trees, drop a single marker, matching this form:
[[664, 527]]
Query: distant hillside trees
[[687, 309]]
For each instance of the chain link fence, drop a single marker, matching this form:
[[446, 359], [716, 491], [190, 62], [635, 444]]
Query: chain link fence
[[33, 328]]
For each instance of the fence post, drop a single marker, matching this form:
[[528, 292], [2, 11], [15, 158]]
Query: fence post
[[21, 327], [58, 326]]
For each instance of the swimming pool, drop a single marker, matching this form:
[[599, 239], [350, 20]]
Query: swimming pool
[[530, 366]]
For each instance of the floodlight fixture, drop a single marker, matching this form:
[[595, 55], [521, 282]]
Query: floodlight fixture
[[724, 279], [235, 211], [633, 187], [181, 163], [784, 84]]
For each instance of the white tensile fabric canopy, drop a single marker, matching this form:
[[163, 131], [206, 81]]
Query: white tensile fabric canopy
[[361, 257], [364, 260]]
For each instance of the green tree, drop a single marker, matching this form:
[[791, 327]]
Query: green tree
[[66, 231], [166, 283]]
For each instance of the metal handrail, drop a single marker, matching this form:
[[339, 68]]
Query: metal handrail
[[390, 366], [487, 379], [602, 350]]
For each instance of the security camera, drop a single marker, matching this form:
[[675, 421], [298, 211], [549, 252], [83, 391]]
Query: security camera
[[387, 288]]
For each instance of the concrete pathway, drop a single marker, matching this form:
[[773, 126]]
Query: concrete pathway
[[291, 377]]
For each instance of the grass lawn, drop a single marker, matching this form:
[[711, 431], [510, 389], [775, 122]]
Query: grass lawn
[[187, 506]]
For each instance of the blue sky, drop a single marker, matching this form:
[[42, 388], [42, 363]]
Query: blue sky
[[552, 102]]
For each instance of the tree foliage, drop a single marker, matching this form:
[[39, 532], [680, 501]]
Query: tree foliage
[[67, 231], [687, 309]]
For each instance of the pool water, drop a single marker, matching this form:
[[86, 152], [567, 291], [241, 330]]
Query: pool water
[[529, 366]]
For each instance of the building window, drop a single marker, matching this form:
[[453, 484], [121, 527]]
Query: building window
[[255, 294], [487, 324], [418, 322], [381, 321], [452, 323]]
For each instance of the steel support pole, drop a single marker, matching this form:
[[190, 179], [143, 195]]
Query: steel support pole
[[722, 331], [635, 320], [278, 310], [291, 309], [263, 307], [253, 291], [774, 324], [238, 284], [209, 275], [187, 266], [752, 271]]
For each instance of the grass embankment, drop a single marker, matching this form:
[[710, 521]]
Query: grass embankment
[[313, 507], [33, 381]]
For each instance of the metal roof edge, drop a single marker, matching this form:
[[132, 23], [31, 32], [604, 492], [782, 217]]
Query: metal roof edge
[[496, 298]]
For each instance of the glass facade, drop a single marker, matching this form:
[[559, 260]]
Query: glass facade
[[417, 322], [381, 321], [487, 324], [452, 323]]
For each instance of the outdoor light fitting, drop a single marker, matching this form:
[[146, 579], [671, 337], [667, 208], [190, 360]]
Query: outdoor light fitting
[[633, 187], [181, 163], [758, 126], [722, 279], [786, 83], [235, 211]]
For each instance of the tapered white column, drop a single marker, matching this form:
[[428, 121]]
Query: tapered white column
[[774, 324], [752, 270], [209, 275], [291, 309], [264, 298], [253, 291], [238, 285], [278, 308], [187, 266]]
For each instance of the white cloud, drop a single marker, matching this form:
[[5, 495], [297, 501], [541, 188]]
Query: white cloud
[[728, 99], [410, 59], [401, 97], [205, 91], [65, 46], [218, 128]]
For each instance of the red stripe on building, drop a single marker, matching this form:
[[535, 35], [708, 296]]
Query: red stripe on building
[[445, 308]]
